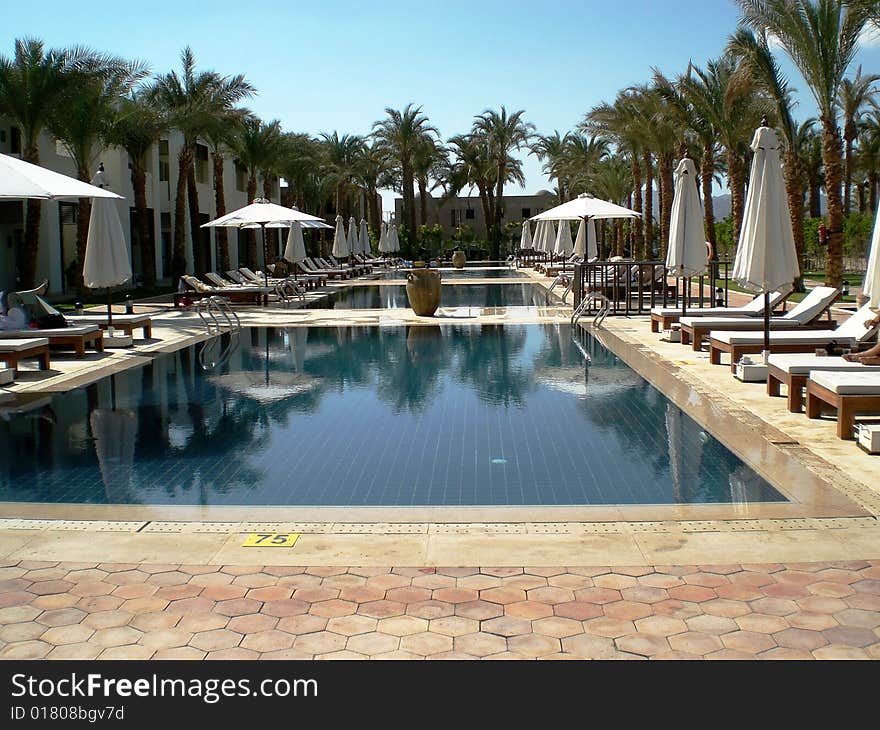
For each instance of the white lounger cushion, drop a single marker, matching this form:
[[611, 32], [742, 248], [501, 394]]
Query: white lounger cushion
[[82, 329], [848, 333], [744, 322], [802, 363], [754, 308], [121, 318], [848, 383], [812, 305], [22, 344]]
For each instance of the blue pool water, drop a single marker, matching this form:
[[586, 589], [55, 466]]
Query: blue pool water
[[393, 296], [467, 273], [423, 415]]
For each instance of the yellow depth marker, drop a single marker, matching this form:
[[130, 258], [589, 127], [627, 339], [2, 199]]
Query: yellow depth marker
[[270, 539]]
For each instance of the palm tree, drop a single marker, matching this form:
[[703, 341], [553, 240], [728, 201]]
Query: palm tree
[[191, 100], [869, 156], [82, 119], [31, 85], [582, 154], [137, 127], [470, 166], [820, 37], [552, 149], [341, 156], [428, 161], [853, 96], [398, 135], [503, 135], [758, 61], [611, 179], [810, 152], [256, 146], [371, 169]]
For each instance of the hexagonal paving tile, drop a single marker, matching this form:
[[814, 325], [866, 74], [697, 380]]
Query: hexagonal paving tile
[[165, 639], [479, 644], [453, 626], [215, 640], [426, 643], [271, 640], [402, 625]]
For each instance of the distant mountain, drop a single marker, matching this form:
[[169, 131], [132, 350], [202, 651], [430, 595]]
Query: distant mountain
[[721, 206]]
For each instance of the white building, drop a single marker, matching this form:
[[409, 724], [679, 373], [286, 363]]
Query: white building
[[58, 219]]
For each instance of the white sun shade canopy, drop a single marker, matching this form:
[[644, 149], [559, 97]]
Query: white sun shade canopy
[[295, 250], [563, 244], [265, 213], [686, 255], [585, 242], [106, 262], [871, 287], [20, 179], [340, 241], [766, 258], [525, 240], [586, 206]]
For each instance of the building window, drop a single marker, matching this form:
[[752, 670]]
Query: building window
[[164, 163], [15, 141], [241, 176], [526, 212], [469, 214], [201, 159]]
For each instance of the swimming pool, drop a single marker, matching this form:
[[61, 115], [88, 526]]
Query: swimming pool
[[420, 415], [393, 296], [467, 273]]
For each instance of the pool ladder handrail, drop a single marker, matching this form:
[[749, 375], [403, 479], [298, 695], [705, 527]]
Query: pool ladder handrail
[[214, 307], [563, 277], [585, 305]]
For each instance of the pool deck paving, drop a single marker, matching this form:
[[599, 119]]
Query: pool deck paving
[[698, 580]]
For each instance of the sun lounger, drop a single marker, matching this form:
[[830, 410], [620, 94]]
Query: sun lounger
[[662, 318], [804, 315], [125, 322], [353, 268], [851, 334], [849, 393], [200, 290], [312, 268], [77, 337], [13, 351], [793, 369]]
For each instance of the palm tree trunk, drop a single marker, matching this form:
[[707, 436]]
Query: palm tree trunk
[[83, 214], [27, 264], [495, 241], [831, 158], [847, 174], [649, 202], [666, 186], [251, 233], [200, 266], [222, 235], [423, 200], [178, 258], [873, 180], [815, 185], [638, 241], [794, 192], [374, 212], [618, 237], [707, 172], [142, 218], [409, 203], [270, 251], [736, 176]]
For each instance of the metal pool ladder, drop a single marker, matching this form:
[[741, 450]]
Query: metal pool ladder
[[562, 278], [218, 316], [585, 304]]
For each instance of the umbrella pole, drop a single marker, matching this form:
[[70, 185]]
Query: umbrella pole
[[686, 289], [766, 325], [265, 271], [109, 313]]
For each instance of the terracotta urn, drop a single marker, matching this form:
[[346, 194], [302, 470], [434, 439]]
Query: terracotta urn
[[423, 288], [458, 259]]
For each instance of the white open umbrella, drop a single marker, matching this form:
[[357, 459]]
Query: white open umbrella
[[295, 250], [364, 238], [340, 242], [264, 214], [525, 241], [871, 287], [585, 242], [563, 245], [106, 262], [20, 179], [766, 258], [686, 255]]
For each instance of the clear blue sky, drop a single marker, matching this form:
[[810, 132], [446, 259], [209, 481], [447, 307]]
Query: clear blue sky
[[337, 64]]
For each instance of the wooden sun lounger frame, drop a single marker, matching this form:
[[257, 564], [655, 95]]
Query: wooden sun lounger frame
[[694, 334], [847, 405], [41, 352], [77, 341], [660, 322]]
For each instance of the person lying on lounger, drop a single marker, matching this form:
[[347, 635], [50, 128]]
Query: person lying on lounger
[[871, 356]]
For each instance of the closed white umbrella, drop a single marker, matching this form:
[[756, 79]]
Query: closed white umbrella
[[295, 250], [353, 243], [585, 242], [871, 287], [525, 241], [107, 262], [563, 245], [766, 258], [686, 255], [364, 238], [549, 240], [383, 238], [395, 239], [114, 433], [340, 242]]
